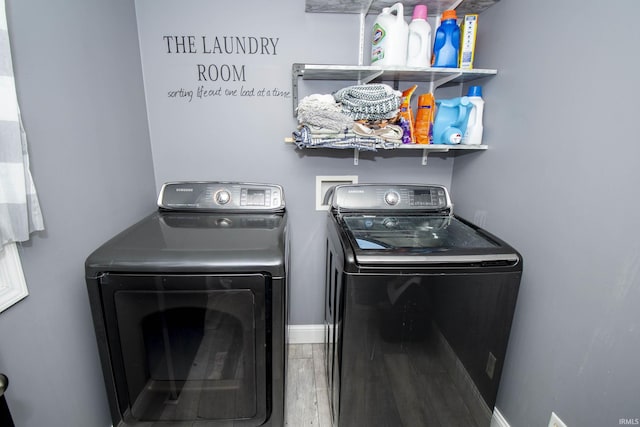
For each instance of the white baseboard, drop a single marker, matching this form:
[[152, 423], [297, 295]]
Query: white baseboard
[[306, 334], [498, 420]]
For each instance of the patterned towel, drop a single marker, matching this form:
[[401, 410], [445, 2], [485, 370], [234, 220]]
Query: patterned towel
[[369, 102], [306, 137]]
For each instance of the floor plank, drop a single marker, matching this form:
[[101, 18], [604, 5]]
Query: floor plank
[[307, 394], [324, 414], [307, 403]]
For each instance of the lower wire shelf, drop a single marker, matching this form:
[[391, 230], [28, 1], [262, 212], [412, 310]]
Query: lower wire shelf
[[426, 149]]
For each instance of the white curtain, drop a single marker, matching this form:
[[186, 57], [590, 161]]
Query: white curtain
[[19, 208], [20, 212]]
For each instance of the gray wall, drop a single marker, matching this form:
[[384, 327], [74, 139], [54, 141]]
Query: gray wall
[[559, 182], [79, 84]]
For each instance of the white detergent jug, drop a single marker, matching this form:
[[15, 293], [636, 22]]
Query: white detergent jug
[[419, 44], [475, 127], [389, 37]]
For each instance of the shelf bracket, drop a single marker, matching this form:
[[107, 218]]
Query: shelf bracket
[[296, 72], [356, 156], [426, 151], [456, 4], [437, 83], [371, 77]]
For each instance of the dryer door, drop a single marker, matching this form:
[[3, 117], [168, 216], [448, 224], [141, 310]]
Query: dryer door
[[188, 347]]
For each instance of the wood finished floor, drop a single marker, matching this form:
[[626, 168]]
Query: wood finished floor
[[307, 400], [307, 403]]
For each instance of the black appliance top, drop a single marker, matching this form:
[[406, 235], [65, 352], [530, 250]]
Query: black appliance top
[[413, 224], [199, 230]]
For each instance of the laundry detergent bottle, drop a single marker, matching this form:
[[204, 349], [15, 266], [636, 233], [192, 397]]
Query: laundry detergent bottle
[[419, 44], [451, 120], [389, 37], [446, 45], [473, 134]]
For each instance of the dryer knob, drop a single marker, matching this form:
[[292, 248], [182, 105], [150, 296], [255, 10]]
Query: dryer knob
[[223, 197], [391, 198]]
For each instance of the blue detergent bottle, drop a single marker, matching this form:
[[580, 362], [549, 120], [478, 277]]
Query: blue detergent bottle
[[446, 46], [451, 120]]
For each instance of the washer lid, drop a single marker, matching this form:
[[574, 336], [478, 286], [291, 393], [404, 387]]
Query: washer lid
[[405, 238]]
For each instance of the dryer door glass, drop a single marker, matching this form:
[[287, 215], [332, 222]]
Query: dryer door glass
[[189, 347]]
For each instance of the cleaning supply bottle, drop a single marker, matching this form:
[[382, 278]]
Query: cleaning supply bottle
[[419, 45], [473, 134], [446, 46], [406, 115], [389, 37], [451, 120], [423, 130]]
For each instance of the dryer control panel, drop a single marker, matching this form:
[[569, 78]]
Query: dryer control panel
[[381, 197], [221, 196]]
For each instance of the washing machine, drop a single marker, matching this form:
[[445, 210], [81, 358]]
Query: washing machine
[[419, 305], [190, 309]]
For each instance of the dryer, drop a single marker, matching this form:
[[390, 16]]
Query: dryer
[[190, 309]]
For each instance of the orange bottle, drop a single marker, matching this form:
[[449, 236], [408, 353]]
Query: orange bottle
[[423, 130]]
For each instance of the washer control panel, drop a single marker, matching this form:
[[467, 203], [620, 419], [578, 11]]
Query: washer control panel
[[412, 197], [221, 196]]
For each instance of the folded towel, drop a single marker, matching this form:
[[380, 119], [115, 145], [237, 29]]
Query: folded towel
[[369, 102], [388, 132], [305, 138], [323, 111]]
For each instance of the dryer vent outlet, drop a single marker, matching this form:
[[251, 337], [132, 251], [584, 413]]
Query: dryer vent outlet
[[325, 183]]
